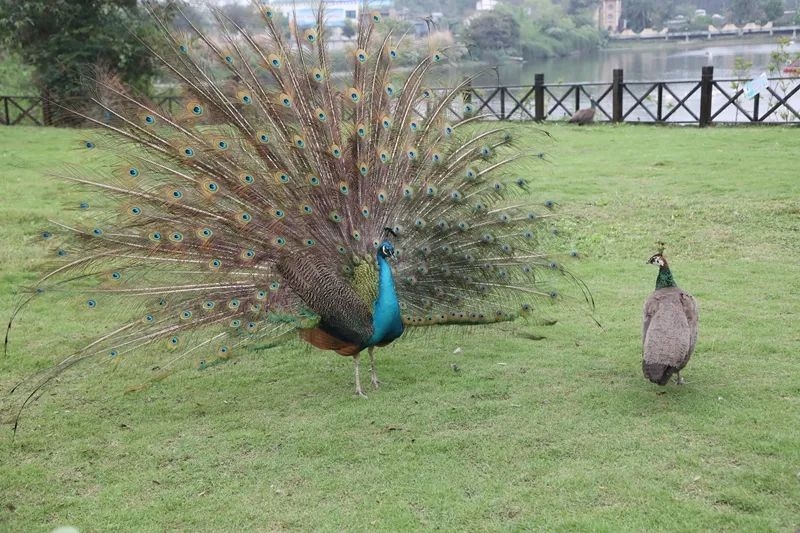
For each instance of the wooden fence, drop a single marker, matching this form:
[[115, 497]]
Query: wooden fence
[[703, 102]]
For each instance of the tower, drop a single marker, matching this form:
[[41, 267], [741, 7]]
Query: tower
[[609, 15]]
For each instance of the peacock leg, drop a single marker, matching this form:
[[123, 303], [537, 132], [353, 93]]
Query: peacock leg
[[373, 374], [679, 380], [357, 361]]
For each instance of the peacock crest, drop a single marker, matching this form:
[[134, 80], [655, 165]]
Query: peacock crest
[[283, 196]]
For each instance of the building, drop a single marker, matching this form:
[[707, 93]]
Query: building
[[485, 5], [609, 16], [336, 11]]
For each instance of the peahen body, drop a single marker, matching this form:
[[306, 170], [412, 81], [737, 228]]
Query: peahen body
[[284, 197], [669, 328], [583, 116]]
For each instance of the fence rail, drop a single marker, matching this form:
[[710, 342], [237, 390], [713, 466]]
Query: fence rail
[[22, 110], [703, 102]]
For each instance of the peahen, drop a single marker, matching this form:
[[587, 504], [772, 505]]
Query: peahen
[[669, 328], [284, 197], [583, 116]]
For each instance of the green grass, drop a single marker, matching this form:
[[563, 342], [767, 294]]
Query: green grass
[[562, 433]]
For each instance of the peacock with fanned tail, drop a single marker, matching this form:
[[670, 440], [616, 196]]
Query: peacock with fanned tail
[[283, 199]]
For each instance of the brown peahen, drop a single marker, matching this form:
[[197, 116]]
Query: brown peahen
[[285, 198], [583, 116], [669, 328]]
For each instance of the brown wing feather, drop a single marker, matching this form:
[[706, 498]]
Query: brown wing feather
[[343, 314], [325, 341], [690, 309], [650, 306], [667, 331]]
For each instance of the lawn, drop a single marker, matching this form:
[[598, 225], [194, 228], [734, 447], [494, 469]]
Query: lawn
[[474, 429]]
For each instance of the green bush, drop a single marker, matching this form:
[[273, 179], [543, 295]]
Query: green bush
[[16, 78], [536, 50]]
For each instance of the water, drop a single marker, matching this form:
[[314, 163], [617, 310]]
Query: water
[[656, 62], [650, 62]]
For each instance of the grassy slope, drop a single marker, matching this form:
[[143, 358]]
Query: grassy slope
[[561, 433]]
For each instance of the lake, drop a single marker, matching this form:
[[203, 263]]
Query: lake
[[652, 61], [655, 61]]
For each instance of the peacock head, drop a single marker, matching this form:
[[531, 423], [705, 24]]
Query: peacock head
[[658, 259], [386, 250]]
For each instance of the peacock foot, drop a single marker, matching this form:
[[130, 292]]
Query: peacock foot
[[373, 374], [680, 381]]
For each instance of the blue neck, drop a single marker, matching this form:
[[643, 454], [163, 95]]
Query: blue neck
[[386, 322]]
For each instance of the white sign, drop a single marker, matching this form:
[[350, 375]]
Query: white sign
[[755, 86]]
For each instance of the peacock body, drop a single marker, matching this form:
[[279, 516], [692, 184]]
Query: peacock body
[[286, 198]]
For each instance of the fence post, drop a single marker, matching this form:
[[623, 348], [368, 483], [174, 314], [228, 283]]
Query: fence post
[[577, 96], [5, 107], [755, 107], [660, 108], [47, 109], [502, 103], [538, 97], [706, 85], [616, 95]]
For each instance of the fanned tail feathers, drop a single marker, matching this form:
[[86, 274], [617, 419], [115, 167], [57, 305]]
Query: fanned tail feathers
[[272, 158]]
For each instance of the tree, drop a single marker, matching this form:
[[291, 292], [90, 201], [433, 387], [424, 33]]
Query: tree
[[493, 31], [773, 9], [639, 14], [243, 15], [349, 29], [577, 6], [60, 39], [642, 14], [744, 11]]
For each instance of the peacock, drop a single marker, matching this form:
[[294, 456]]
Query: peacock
[[285, 198], [669, 328]]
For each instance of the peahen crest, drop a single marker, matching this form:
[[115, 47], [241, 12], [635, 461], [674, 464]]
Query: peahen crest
[[283, 196]]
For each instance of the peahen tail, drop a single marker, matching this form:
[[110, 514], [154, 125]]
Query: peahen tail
[[657, 372], [256, 209]]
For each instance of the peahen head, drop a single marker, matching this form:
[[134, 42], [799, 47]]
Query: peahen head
[[664, 278], [658, 259]]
